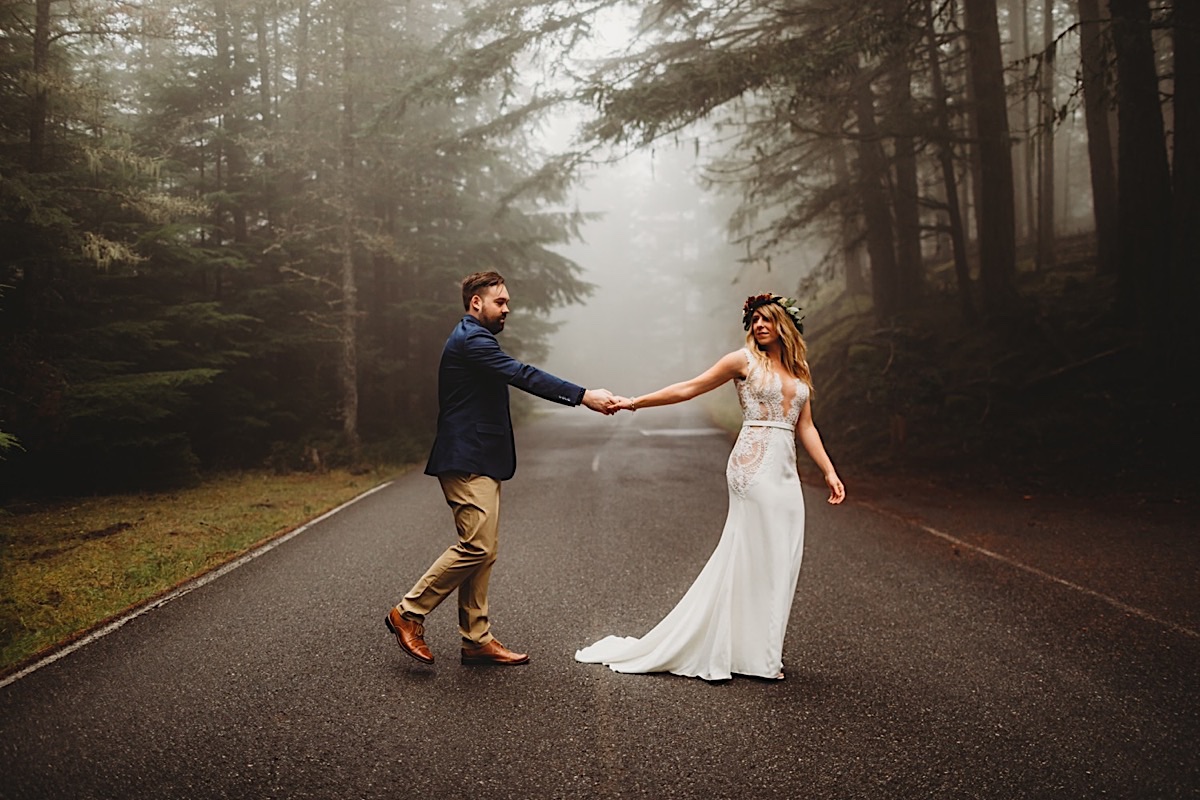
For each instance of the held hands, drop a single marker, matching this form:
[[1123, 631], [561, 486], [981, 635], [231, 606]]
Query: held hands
[[624, 404], [605, 402], [601, 401]]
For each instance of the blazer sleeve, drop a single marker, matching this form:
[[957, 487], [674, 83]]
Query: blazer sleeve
[[483, 350]]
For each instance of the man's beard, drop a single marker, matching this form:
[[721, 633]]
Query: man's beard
[[495, 324]]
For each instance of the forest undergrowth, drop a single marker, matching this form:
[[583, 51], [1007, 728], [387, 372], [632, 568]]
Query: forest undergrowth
[[1059, 396]]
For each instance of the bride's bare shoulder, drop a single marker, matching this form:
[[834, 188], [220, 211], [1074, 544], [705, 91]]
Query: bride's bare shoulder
[[735, 364]]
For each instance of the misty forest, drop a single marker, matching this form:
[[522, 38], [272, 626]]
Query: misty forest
[[231, 231]]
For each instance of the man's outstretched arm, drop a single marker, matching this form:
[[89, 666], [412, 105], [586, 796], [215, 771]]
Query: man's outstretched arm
[[484, 350]]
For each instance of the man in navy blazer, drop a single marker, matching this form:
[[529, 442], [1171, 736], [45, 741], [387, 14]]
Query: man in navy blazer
[[473, 452]]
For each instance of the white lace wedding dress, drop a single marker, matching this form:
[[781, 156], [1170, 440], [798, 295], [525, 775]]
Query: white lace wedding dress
[[734, 616]]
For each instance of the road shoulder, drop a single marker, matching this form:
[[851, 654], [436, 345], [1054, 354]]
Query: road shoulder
[[1139, 549]]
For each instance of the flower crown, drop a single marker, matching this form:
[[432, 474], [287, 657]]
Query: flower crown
[[786, 303]]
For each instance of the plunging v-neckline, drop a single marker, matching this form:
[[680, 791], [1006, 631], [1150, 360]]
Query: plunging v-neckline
[[783, 376]]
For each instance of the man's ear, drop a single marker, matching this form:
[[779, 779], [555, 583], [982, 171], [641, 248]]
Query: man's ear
[[476, 303]]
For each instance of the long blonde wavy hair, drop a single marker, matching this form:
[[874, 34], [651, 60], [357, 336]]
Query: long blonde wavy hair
[[793, 350]]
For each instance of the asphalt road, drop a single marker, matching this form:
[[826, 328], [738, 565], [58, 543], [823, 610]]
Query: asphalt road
[[917, 666]]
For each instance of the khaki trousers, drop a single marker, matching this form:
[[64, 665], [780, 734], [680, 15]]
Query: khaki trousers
[[467, 564]]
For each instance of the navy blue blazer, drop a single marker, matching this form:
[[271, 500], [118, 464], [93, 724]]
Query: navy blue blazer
[[474, 428]]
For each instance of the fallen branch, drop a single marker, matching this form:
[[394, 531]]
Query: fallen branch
[[1071, 367]]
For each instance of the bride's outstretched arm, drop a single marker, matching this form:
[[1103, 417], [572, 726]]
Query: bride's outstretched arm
[[808, 435], [729, 367]]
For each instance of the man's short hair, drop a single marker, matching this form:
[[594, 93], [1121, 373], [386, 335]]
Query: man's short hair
[[476, 282]]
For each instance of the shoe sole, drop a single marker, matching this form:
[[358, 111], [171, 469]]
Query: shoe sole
[[388, 621], [487, 662]]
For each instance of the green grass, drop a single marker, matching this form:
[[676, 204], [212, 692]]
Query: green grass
[[65, 567]]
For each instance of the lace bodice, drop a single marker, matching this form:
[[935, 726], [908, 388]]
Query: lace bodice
[[763, 398]]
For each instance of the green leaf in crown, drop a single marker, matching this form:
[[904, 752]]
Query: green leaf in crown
[[759, 300]]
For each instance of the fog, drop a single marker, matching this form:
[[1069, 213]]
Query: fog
[[669, 278], [669, 281]]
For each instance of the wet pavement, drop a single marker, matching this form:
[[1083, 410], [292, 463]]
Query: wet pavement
[[1001, 662]]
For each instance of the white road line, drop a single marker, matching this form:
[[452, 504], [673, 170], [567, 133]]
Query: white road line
[[191, 585], [1112, 601], [596, 463]]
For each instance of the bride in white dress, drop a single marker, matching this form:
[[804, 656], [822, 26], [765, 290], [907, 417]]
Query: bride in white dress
[[733, 618]]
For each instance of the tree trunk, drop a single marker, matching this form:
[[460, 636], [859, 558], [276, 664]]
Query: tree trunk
[[945, 155], [970, 178], [1018, 24], [1185, 276], [238, 162], [1143, 176], [905, 195], [1045, 239], [349, 317], [264, 67], [265, 106], [997, 235], [383, 319], [302, 61], [39, 111], [872, 170], [974, 171], [229, 89], [1096, 102], [856, 284]]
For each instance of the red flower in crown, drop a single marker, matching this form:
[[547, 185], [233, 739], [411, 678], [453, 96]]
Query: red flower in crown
[[753, 302], [759, 300]]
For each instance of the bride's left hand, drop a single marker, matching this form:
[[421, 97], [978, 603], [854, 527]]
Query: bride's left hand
[[623, 404], [837, 492]]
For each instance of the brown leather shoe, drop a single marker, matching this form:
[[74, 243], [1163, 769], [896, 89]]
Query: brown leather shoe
[[493, 653], [410, 634]]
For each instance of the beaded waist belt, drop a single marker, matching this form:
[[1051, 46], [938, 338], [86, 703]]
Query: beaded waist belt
[[766, 423]]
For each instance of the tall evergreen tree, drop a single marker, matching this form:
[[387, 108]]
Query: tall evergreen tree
[[1143, 175], [168, 245], [995, 214], [1185, 275], [1096, 79]]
